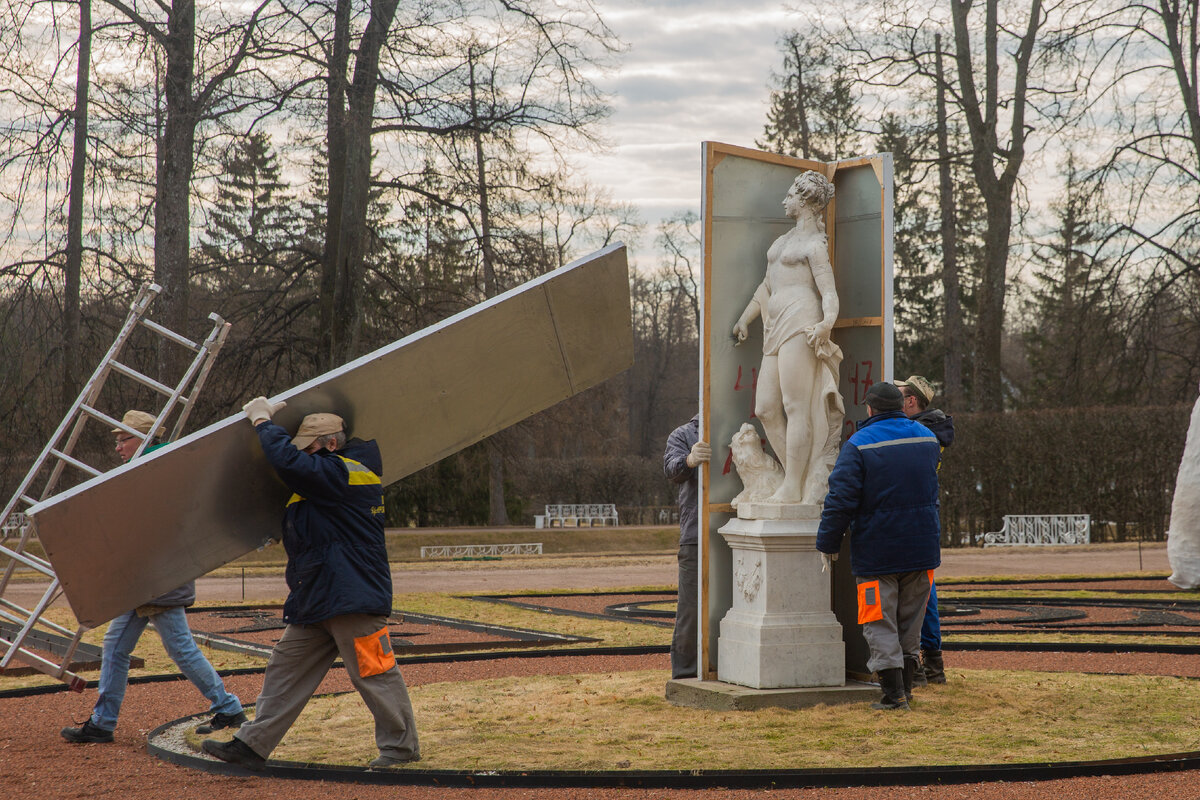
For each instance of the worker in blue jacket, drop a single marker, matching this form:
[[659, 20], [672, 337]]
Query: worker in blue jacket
[[339, 589], [884, 489]]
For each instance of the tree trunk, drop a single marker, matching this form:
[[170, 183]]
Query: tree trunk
[[335, 129], [497, 512], [73, 269], [982, 116], [172, 219], [350, 252], [987, 377], [952, 322]]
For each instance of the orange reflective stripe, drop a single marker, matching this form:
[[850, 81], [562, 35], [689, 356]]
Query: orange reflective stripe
[[930, 577], [869, 607], [374, 653]]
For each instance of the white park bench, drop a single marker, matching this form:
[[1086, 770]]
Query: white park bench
[[1039, 529], [576, 515], [15, 525], [477, 550]]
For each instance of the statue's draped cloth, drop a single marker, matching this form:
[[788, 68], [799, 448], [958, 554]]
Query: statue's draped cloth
[[784, 317]]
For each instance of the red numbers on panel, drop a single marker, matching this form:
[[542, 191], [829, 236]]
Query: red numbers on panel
[[753, 387], [861, 380]]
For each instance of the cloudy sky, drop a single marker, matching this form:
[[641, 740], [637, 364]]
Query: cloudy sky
[[695, 70]]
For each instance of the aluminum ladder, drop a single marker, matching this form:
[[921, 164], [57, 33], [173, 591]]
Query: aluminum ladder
[[21, 628]]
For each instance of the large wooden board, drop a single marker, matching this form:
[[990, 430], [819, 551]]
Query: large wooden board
[[131, 534]]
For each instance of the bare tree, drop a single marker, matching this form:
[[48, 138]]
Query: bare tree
[[73, 268], [189, 98]]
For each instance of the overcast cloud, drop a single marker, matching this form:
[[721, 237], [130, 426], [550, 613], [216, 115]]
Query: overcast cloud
[[696, 70]]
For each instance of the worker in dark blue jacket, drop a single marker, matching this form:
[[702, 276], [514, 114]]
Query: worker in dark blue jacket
[[884, 489], [339, 589]]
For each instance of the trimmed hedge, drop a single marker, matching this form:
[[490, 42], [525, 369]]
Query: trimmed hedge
[[1116, 464]]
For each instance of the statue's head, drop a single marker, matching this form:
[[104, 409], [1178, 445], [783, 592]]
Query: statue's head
[[812, 190]]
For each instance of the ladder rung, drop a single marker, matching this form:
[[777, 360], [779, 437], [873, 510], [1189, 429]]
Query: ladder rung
[[74, 462], [31, 561], [170, 334], [46, 666], [100, 415], [145, 380]]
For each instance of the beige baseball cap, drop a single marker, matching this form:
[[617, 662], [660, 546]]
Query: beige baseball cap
[[140, 421], [920, 385], [315, 425]]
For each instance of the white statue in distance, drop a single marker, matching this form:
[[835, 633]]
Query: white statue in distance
[[797, 397]]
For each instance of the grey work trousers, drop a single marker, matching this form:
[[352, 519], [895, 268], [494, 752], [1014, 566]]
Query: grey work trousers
[[902, 597], [684, 643], [299, 663]]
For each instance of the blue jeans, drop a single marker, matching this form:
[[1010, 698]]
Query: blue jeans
[[172, 625], [931, 628]]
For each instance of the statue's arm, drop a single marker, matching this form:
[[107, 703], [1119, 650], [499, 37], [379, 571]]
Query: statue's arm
[[827, 286], [818, 335], [741, 328]]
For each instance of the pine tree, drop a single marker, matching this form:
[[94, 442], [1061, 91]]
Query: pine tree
[[253, 210], [813, 110], [1075, 341]]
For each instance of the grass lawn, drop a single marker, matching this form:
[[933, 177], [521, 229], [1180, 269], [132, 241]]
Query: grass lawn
[[620, 720]]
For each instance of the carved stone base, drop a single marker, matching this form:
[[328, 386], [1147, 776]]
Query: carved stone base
[[780, 631]]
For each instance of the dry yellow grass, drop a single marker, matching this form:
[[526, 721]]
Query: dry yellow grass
[[622, 721]]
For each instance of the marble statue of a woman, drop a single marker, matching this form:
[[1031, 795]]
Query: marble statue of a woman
[[797, 397]]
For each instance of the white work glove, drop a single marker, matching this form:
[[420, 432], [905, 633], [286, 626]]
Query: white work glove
[[827, 560], [261, 408], [701, 452]]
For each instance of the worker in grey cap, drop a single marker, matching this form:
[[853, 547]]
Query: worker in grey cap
[[339, 589], [167, 613], [918, 394]]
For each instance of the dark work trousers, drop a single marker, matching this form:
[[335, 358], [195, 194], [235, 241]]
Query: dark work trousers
[[898, 634], [684, 642], [298, 664]]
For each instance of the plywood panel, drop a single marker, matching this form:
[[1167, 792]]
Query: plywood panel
[[180, 512]]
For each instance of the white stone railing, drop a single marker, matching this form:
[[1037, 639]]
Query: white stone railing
[[474, 550], [1041, 529], [576, 515]]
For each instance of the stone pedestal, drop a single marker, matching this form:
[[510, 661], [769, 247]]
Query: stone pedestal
[[781, 631]]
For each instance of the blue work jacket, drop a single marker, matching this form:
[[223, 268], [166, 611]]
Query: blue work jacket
[[332, 528], [884, 489]]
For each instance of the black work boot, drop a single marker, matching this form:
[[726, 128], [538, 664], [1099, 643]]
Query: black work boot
[[912, 665], [87, 734], [235, 751], [935, 670], [919, 678], [891, 681], [220, 721]]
